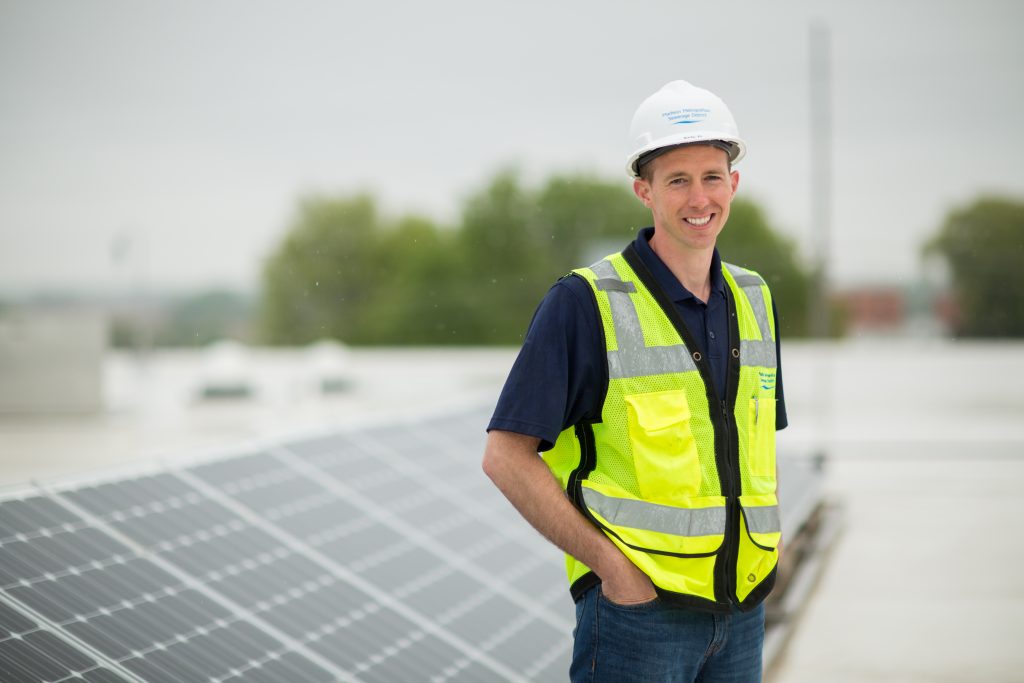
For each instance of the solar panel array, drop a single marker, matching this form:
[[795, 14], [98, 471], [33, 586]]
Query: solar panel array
[[378, 555]]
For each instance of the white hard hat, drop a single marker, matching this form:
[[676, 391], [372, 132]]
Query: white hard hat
[[681, 114]]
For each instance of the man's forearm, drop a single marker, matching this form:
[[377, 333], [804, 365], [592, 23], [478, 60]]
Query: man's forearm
[[511, 462]]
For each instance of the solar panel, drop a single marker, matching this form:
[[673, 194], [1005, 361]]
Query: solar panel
[[378, 555]]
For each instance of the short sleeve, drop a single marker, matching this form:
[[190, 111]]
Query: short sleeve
[[560, 375]]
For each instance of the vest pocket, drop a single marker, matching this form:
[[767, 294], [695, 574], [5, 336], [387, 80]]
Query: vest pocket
[[675, 545], [665, 454], [761, 440], [760, 533]]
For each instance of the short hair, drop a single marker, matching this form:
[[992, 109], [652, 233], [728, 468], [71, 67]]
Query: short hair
[[643, 163]]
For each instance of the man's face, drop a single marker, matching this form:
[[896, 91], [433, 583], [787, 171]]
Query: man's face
[[688, 192]]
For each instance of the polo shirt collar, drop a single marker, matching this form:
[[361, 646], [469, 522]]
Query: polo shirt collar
[[675, 289]]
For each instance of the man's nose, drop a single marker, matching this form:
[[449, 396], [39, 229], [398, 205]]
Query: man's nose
[[698, 195]]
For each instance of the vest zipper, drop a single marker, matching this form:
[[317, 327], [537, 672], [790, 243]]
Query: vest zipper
[[727, 568]]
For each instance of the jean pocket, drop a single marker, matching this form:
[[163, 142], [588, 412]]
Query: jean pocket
[[632, 607]]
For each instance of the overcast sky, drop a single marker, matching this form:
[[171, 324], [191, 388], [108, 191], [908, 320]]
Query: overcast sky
[[188, 129]]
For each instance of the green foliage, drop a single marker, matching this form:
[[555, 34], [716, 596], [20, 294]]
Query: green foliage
[[750, 242], [983, 243], [345, 272], [320, 283]]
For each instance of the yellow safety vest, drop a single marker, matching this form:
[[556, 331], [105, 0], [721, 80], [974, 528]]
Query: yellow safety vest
[[682, 480]]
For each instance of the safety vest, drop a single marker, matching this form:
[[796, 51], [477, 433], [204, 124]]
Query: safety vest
[[680, 479]]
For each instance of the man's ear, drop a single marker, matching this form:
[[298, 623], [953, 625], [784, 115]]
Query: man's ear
[[642, 189]]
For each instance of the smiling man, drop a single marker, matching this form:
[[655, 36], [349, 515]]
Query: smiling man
[[650, 383]]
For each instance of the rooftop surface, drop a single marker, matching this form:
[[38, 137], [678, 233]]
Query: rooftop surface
[[924, 444]]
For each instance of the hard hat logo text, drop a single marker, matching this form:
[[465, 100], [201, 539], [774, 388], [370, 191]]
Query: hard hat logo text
[[678, 117]]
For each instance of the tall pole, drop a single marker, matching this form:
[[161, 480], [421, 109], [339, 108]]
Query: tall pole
[[821, 217], [821, 172]]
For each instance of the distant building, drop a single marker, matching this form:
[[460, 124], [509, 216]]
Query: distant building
[[897, 310], [51, 361]]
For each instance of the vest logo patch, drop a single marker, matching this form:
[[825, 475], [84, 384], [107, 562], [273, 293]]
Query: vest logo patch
[[767, 378]]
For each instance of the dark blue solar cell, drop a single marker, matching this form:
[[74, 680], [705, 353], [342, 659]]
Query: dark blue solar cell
[[537, 637], [13, 621], [12, 653], [143, 575], [145, 622], [98, 589], [98, 500], [66, 602], [96, 637], [293, 667], [197, 608], [49, 645], [29, 663], [210, 653], [41, 602], [475, 672], [246, 639], [102, 676], [282, 493], [13, 566], [204, 514], [319, 519], [47, 512], [151, 672], [19, 517], [176, 660], [488, 617], [361, 542], [100, 544], [66, 549], [434, 598]]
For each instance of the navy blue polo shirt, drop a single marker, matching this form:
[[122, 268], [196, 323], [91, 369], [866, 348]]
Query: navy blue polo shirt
[[558, 378]]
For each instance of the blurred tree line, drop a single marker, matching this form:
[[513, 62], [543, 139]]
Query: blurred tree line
[[195, 319], [983, 245], [347, 272]]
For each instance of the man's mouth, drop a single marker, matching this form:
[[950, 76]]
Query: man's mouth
[[699, 222]]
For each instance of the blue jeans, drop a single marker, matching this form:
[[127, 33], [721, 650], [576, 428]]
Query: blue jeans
[[655, 642]]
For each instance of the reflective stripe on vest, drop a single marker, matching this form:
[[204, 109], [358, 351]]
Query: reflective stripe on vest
[[633, 358], [761, 352]]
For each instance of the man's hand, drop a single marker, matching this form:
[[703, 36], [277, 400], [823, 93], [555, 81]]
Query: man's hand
[[511, 461], [625, 584]]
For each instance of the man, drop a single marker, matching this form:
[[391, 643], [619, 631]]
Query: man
[[650, 383]]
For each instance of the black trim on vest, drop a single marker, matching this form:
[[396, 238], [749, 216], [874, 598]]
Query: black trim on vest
[[598, 417], [693, 602], [588, 461], [588, 453], [731, 453], [582, 585]]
